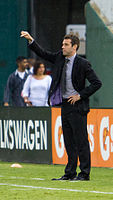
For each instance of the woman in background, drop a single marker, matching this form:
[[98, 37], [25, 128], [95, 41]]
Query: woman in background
[[36, 87]]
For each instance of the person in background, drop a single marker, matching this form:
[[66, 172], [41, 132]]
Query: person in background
[[15, 82], [36, 87], [31, 62], [69, 77]]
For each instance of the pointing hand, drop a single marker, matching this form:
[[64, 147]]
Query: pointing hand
[[26, 35]]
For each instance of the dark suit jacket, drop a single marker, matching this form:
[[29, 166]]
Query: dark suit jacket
[[14, 88], [81, 71]]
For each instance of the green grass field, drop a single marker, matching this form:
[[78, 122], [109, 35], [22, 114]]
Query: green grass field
[[33, 182]]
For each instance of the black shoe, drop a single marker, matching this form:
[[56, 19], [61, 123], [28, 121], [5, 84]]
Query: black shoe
[[73, 177], [63, 178], [81, 177]]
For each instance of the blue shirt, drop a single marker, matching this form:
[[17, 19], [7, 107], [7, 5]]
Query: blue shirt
[[69, 86]]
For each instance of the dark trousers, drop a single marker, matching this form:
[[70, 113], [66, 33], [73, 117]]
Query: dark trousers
[[76, 141]]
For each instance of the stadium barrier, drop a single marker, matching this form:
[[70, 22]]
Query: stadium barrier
[[100, 134], [99, 45], [25, 134], [35, 135]]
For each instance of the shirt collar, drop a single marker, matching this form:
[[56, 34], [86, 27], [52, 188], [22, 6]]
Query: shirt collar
[[71, 59], [17, 72]]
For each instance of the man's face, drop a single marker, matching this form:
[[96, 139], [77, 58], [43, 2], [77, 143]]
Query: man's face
[[24, 64], [67, 48]]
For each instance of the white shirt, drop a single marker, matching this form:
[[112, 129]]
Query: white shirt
[[31, 70], [21, 74], [37, 90]]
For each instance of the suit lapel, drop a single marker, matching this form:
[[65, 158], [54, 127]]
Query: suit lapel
[[75, 72], [75, 66]]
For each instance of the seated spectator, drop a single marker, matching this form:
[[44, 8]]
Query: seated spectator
[[36, 87], [15, 82]]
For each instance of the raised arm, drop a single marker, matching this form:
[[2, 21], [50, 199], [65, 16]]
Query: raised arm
[[34, 46]]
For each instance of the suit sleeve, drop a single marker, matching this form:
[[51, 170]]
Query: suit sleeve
[[94, 82], [8, 89], [47, 55]]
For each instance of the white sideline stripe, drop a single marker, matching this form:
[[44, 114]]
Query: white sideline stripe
[[14, 177], [40, 179], [58, 189]]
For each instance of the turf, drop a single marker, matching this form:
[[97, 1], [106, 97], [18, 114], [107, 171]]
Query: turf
[[33, 182]]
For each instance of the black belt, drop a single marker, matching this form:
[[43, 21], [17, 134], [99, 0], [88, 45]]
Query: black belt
[[64, 100], [67, 103]]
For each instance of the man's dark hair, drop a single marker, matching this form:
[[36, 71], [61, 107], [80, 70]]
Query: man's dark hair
[[37, 65], [31, 61], [74, 39], [20, 59]]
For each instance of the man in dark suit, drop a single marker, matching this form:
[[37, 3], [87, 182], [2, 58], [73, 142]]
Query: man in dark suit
[[68, 89]]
